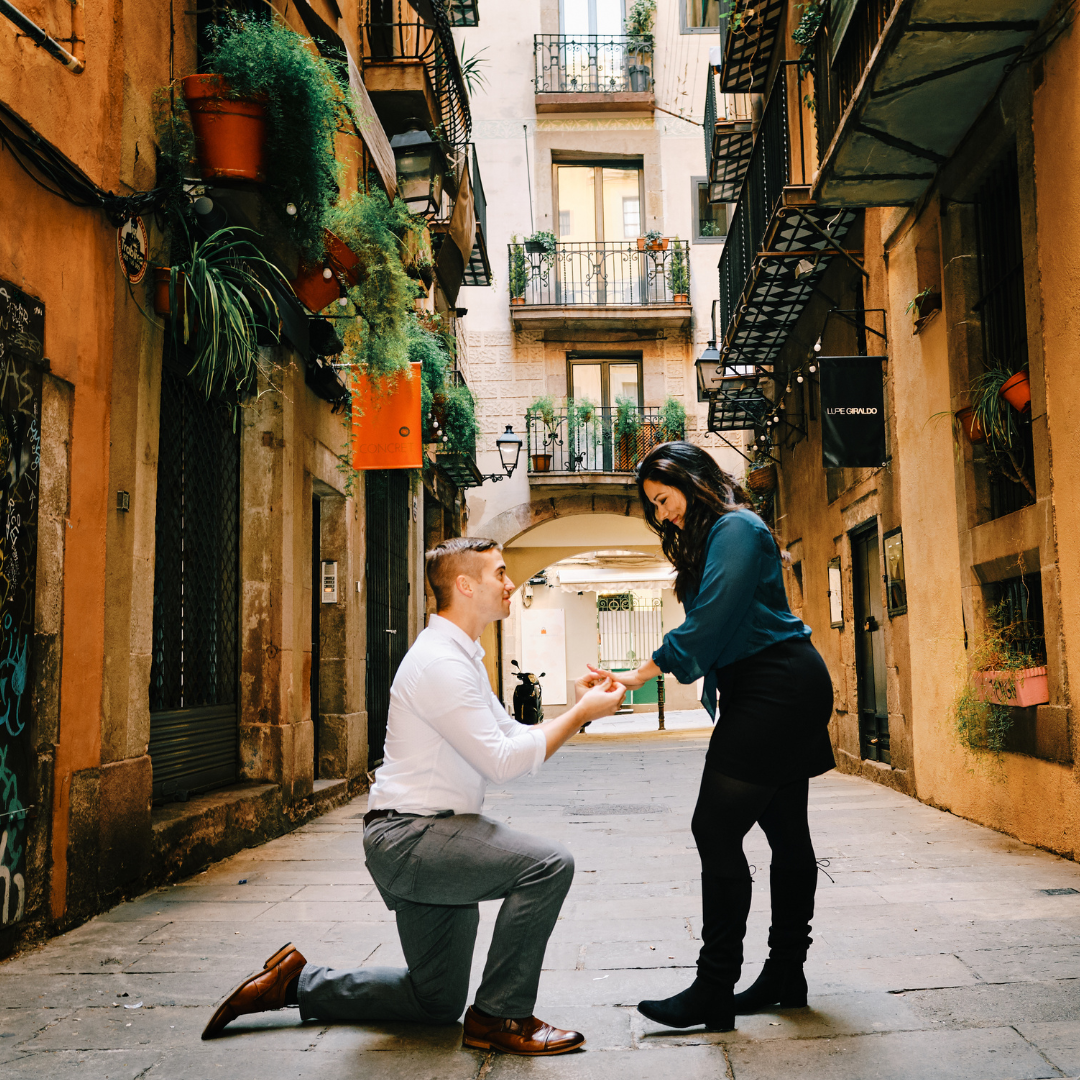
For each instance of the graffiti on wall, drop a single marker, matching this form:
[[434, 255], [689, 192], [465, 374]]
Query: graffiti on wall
[[22, 343]]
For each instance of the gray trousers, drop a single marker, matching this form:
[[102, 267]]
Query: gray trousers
[[432, 872]]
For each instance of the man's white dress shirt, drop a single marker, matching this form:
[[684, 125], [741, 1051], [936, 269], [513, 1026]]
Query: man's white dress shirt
[[447, 735]]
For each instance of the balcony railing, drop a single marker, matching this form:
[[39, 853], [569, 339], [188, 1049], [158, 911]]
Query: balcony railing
[[395, 33], [592, 440], [838, 71], [729, 138], [601, 275], [591, 64]]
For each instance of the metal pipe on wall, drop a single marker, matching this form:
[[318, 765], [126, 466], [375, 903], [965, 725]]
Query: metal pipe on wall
[[41, 39]]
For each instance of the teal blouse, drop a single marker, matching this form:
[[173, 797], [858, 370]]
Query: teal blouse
[[739, 608]]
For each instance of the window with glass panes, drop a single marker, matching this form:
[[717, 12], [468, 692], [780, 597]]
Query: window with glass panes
[[710, 219], [700, 16]]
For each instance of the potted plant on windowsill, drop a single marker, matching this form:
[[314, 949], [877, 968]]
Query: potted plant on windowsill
[[678, 275], [653, 240], [639, 28], [923, 307], [543, 409], [999, 423], [519, 271]]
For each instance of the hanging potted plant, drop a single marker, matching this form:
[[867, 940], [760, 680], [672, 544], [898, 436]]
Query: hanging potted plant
[[541, 243], [761, 476], [1017, 391], [519, 271], [970, 425], [318, 284], [653, 240], [627, 429], [639, 27], [218, 307], [679, 275], [259, 72], [543, 409], [923, 307]]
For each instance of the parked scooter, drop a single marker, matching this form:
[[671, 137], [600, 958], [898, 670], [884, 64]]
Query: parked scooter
[[528, 706]]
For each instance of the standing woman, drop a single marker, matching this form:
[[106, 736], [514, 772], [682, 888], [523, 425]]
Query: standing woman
[[771, 730]]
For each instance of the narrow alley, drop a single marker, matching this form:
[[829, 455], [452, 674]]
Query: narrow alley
[[942, 949]]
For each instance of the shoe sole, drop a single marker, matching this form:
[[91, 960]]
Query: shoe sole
[[476, 1044], [209, 1032]]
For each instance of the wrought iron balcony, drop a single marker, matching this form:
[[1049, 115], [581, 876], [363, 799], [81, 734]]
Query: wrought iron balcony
[[412, 69], [595, 64], [601, 275], [729, 138], [748, 34], [593, 440], [463, 12], [779, 243], [882, 70]]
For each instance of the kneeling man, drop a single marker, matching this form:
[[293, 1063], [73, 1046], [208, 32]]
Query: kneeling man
[[432, 853]]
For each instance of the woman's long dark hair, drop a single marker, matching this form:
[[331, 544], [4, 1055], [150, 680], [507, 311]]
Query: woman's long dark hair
[[709, 492]]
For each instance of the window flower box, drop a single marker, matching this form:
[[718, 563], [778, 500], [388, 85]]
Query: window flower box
[[1020, 688]]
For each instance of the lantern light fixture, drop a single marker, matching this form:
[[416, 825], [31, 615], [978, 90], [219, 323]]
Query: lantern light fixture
[[421, 166], [509, 446]]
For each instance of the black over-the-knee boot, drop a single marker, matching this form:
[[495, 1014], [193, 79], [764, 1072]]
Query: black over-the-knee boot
[[782, 981], [725, 904]]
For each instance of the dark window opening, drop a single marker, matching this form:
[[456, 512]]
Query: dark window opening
[[1015, 608], [710, 219]]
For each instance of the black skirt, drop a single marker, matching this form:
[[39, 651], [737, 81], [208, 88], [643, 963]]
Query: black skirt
[[773, 717]]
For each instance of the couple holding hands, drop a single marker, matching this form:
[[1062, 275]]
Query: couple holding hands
[[434, 856]]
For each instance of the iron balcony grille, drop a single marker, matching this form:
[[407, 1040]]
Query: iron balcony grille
[[592, 64], [604, 275], [573, 441], [747, 50], [836, 78], [463, 12], [729, 139], [395, 33], [739, 410], [778, 243], [478, 268]]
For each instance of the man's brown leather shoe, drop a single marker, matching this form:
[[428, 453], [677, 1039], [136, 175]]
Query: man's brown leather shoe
[[260, 991], [530, 1038]]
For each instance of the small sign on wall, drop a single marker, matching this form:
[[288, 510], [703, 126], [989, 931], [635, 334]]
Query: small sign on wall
[[852, 412], [543, 649]]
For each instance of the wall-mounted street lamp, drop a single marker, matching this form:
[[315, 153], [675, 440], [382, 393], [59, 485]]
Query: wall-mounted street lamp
[[421, 165], [509, 447], [714, 375]]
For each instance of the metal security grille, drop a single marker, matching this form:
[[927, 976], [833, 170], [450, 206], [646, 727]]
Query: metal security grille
[[1001, 306], [193, 675], [630, 628], [1017, 608], [387, 514]]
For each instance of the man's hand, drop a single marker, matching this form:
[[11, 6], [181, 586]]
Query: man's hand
[[632, 680], [587, 681], [602, 699]]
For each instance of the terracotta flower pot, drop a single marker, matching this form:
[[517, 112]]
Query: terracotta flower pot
[[681, 298], [313, 288], [762, 480], [658, 245], [517, 301], [230, 133], [971, 424], [1017, 392], [161, 292], [541, 463], [1019, 688]]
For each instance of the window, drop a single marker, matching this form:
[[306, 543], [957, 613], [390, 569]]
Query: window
[[598, 202], [700, 16], [895, 580], [710, 219], [836, 601], [631, 217], [1015, 607], [578, 18]]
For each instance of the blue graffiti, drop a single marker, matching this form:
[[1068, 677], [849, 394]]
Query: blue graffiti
[[13, 685]]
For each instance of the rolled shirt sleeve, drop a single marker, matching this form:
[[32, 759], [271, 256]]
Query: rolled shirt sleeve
[[728, 581], [497, 747]]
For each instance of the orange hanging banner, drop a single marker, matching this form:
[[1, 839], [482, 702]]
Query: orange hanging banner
[[386, 421]]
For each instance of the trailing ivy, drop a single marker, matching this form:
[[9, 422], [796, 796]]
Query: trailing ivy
[[377, 341], [452, 403], [263, 57]]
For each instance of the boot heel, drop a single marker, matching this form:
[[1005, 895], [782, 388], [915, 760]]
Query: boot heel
[[720, 1023], [793, 1001], [476, 1044]]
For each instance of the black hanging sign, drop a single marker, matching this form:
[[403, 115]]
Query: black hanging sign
[[22, 340], [852, 412]]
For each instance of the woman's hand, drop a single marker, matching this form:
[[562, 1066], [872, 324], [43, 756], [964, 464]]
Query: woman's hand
[[601, 699], [632, 680], [587, 681]]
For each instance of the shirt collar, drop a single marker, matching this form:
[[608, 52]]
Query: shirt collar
[[446, 628]]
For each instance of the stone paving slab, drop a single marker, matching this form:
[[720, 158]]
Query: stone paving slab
[[937, 955]]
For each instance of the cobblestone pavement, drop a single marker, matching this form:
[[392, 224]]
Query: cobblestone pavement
[[942, 949]]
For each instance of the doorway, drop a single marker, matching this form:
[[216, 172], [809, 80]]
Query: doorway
[[604, 383], [869, 612], [316, 609], [387, 537]]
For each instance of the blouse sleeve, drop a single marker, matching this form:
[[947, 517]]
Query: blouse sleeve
[[730, 576]]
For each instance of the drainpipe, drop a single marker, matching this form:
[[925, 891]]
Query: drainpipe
[[42, 39]]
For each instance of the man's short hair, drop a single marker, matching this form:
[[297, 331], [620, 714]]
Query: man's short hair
[[449, 558]]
